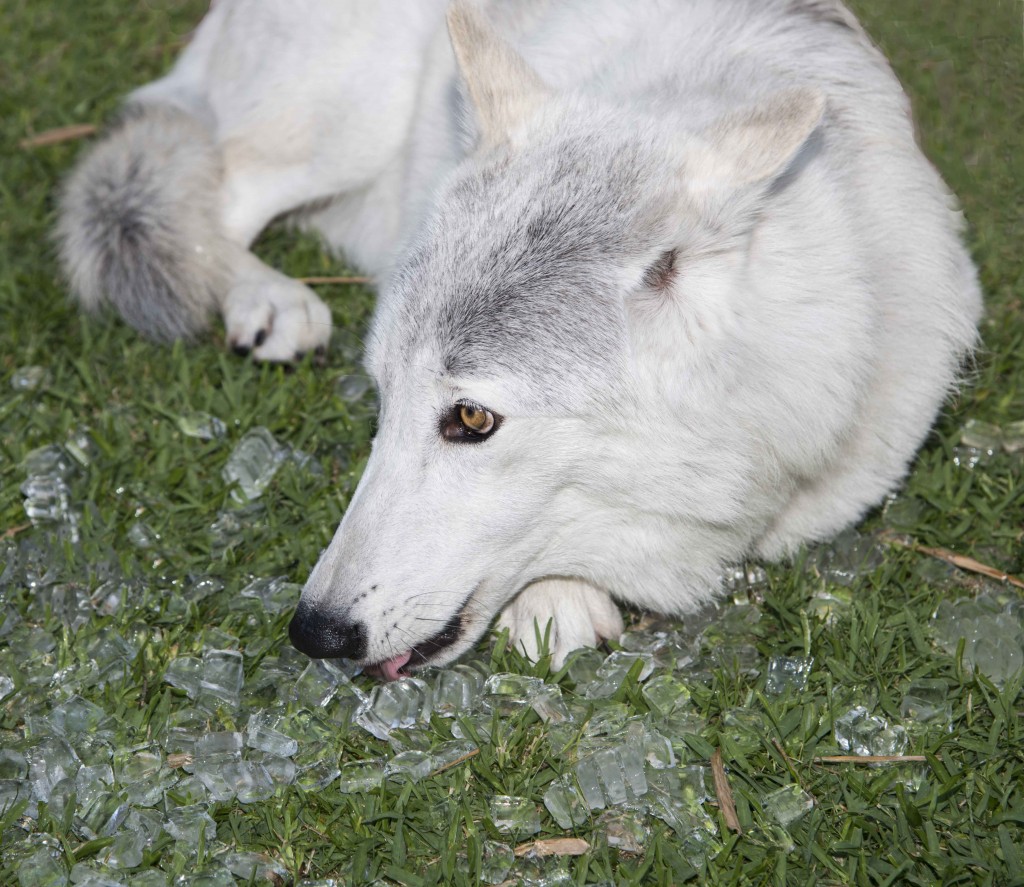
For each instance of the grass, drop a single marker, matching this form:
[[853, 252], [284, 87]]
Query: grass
[[956, 818]]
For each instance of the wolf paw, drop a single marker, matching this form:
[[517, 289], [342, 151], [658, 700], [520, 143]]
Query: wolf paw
[[579, 616], [275, 319]]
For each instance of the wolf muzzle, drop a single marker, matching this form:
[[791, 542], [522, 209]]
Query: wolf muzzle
[[324, 635]]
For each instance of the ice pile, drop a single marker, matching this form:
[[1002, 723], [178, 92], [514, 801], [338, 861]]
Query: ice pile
[[991, 627], [243, 725], [980, 442], [240, 724], [847, 558]]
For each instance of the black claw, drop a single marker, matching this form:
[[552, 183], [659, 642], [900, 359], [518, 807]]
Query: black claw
[[261, 337]]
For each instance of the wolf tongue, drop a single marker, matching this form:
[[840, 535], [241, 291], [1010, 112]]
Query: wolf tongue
[[391, 669]]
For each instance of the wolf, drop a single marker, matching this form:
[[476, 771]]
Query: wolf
[[663, 285]]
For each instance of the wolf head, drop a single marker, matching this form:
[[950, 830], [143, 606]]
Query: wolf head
[[553, 358]]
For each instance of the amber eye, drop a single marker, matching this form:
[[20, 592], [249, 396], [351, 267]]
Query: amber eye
[[469, 423], [476, 419]]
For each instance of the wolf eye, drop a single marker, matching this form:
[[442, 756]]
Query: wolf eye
[[469, 423], [476, 419]]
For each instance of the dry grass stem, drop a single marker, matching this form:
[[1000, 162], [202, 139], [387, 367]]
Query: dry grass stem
[[870, 759], [957, 560], [456, 762], [724, 793], [13, 531], [58, 135], [314, 281]]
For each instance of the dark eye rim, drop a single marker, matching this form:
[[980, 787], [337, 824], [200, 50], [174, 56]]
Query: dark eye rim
[[453, 429]]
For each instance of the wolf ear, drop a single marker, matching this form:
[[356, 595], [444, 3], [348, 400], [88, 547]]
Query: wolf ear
[[754, 147], [503, 88]]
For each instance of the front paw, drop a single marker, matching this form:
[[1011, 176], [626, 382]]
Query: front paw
[[275, 319], [569, 612]]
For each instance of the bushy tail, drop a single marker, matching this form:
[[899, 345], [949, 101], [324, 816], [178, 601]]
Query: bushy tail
[[139, 224]]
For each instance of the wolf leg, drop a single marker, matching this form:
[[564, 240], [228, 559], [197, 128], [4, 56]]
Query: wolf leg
[[275, 106], [142, 228], [572, 613], [271, 315]]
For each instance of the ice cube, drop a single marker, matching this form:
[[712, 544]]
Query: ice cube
[[509, 693], [665, 694], [625, 830], [222, 676], [612, 672], [473, 726], [788, 804], [412, 764], [393, 705], [317, 763], [583, 665], [612, 775], [253, 464], [137, 763], [255, 868], [361, 776], [185, 673], [249, 781], [550, 706], [50, 760], [788, 675], [982, 436], [677, 795], [28, 378], [848, 557], [1013, 437], [263, 733], [353, 388], [46, 867], [13, 764], [744, 727], [276, 594], [970, 458], [201, 425], [47, 499], [142, 535], [457, 689], [496, 862], [126, 851], [210, 876], [513, 815], [189, 824], [926, 704], [565, 803], [316, 686], [282, 770], [218, 748]]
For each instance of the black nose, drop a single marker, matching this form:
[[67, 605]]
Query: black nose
[[325, 635]]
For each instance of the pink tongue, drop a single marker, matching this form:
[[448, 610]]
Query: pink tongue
[[390, 670]]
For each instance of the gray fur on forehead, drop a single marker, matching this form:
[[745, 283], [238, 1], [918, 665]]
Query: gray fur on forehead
[[519, 271]]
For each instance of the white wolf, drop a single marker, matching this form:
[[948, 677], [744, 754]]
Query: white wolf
[[664, 284]]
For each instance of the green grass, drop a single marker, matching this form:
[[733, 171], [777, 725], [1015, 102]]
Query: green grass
[[961, 819]]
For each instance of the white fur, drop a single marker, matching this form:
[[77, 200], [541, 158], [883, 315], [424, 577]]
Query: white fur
[[765, 392]]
